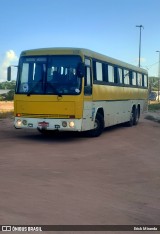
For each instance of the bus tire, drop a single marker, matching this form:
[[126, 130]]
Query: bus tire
[[136, 116], [98, 126], [130, 122]]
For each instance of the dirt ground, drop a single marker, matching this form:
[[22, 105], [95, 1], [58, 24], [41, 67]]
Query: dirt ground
[[72, 179], [6, 106]]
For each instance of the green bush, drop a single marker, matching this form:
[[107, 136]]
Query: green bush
[[7, 85], [154, 107]]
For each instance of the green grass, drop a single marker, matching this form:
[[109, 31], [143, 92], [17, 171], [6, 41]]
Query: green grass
[[154, 107]]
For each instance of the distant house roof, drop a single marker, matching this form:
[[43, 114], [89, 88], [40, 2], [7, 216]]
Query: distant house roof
[[3, 91]]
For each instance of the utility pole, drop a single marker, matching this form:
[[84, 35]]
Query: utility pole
[[158, 75], [140, 27]]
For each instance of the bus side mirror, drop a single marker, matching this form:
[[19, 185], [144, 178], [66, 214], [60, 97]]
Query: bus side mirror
[[81, 70], [9, 73]]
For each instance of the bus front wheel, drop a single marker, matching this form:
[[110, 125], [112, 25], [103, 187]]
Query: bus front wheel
[[98, 126]]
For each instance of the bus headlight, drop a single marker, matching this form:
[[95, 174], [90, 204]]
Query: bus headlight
[[19, 122], [71, 124]]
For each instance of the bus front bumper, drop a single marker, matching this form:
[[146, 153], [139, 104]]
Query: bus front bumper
[[48, 124]]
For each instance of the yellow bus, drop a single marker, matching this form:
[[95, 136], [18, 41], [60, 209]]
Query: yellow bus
[[74, 89]]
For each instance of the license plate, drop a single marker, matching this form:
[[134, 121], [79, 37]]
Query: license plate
[[43, 124]]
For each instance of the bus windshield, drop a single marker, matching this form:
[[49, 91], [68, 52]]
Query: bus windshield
[[49, 75]]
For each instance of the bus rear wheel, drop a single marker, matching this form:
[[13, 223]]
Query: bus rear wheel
[[98, 126], [136, 116], [130, 122]]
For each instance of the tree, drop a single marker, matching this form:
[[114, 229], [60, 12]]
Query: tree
[[8, 85], [153, 83]]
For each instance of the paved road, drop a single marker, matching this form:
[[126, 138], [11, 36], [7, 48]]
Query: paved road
[[73, 179]]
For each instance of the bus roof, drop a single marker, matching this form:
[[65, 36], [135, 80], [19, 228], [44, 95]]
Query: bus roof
[[81, 52]]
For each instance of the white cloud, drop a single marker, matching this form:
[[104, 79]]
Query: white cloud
[[10, 58]]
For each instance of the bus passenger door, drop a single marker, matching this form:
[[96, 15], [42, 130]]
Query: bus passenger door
[[88, 79], [87, 122]]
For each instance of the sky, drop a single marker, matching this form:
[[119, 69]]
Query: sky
[[104, 26]]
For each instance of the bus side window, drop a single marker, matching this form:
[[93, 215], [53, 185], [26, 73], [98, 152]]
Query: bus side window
[[145, 81], [119, 76], [126, 76], [88, 78], [134, 78], [139, 79], [110, 74], [99, 74]]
